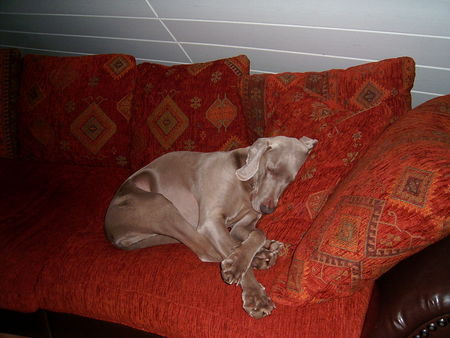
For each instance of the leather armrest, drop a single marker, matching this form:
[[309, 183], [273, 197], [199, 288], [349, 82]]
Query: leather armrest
[[413, 298]]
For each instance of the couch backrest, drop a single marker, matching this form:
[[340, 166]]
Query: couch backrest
[[104, 110]]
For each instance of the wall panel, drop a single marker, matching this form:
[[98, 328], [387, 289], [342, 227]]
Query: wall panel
[[134, 28], [277, 36]]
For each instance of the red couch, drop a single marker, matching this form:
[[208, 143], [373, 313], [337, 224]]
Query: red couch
[[74, 128]]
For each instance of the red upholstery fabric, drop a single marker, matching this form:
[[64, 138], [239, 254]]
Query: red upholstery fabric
[[188, 107], [395, 203], [343, 137], [10, 64], [346, 110], [51, 215], [354, 89], [168, 291], [77, 109], [40, 206]]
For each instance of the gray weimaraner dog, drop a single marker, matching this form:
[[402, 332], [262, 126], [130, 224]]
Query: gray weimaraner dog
[[194, 198]]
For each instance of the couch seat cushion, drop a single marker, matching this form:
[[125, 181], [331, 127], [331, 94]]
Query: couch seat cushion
[[168, 291], [41, 205]]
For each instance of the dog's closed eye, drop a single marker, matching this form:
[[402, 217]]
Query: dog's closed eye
[[272, 170]]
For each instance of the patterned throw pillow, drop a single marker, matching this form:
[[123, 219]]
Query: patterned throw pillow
[[10, 62], [355, 89], [77, 109], [193, 107], [395, 203], [346, 110]]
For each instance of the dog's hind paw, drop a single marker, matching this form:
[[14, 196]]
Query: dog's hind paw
[[256, 303]]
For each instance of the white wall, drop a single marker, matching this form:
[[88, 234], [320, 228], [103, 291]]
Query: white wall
[[285, 35]]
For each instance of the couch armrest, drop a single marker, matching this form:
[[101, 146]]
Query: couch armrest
[[413, 298]]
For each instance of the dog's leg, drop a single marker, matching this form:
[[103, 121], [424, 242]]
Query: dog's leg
[[255, 301], [214, 229], [254, 298], [140, 241], [267, 255], [142, 219], [238, 262]]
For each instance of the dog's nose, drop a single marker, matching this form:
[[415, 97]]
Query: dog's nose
[[267, 207]]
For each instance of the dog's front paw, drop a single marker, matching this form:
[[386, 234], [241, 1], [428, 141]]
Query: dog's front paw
[[267, 256], [256, 302], [232, 269]]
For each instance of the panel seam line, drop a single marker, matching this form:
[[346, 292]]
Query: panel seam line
[[162, 19], [169, 31]]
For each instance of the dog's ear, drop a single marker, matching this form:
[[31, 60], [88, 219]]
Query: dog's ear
[[309, 143], [255, 152]]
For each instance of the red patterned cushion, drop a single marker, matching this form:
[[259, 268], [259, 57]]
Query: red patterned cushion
[[395, 203], [346, 110], [355, 89], [77, 109], [188, 107], [10, 62]]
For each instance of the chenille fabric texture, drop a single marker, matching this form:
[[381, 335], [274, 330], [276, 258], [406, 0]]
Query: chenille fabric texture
[[393, 204], [77, 109], [346, 110], [10, 65], [42, 207], [194, 107], [164, 289]]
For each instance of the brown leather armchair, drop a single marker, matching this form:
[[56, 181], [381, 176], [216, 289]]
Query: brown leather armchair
[[413, 298]]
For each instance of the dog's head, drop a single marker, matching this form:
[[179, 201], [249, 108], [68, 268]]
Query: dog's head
[[272, 163]]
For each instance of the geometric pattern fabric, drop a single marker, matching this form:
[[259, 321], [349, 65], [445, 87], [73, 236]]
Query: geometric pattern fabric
[[118, 66], [167, 122], [193, 107], [93, 128], [413, 186], [394, 203], [77, 109], [346, 110], [354, 89], [369, 95]]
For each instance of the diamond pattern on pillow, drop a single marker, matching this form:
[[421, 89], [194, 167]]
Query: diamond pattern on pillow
[[393, 204], [77, 109], [188, 107]]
